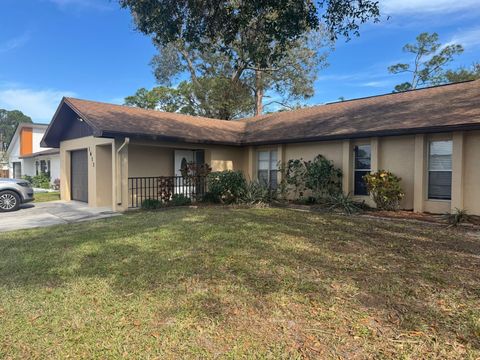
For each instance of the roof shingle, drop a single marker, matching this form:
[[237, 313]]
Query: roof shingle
[[441, 108]]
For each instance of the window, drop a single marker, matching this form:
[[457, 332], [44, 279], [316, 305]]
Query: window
[[17, 170], [440, 170], [267, 168], [363, 161]]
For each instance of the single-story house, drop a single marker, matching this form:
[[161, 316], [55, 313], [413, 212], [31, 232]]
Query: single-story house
[[26, 157], [429, 137]]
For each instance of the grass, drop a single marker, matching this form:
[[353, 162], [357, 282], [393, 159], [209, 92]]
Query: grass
[[49, 196], [240, 283]]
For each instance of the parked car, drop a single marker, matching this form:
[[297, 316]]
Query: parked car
[[13, 193]]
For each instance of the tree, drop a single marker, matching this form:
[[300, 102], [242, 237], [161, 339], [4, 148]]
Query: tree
[[246, 36], [242, 89], [9, 121], [462, 74], [428, 65]]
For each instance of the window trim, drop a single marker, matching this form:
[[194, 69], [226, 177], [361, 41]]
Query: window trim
[[355, 170], [270, 169], [429, 142]]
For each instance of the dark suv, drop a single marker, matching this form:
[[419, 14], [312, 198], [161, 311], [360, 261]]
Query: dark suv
[[13, 193]]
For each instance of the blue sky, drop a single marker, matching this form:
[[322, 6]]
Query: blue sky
[[89, 49]]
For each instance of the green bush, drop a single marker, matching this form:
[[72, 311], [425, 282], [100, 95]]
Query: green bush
[[39, 181], [322, 177], [225, 187], [152, 204], [343, 203], [293, 178], [457, 217], [258, 193], [180, 200], [385, 189]]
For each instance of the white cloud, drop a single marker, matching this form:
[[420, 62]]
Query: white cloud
[[95, 4], [468, 39], [378, 83], [14, 43], [427, 6], [40, 105]]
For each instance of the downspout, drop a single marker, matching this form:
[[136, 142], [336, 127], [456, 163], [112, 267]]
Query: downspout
[[119, 171]]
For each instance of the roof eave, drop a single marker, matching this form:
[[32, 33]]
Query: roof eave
[[366, 134]]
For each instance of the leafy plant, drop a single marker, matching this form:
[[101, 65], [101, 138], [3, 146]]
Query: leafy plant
[[180, 200], [385, 189], [343, 203], [41, 181], [457, 217], [257, 193], [152, 204], [322, 177], [226, 187], [293, 178]]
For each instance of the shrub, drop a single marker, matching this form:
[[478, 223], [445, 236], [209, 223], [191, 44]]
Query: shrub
[[293, 178], [180, 200], [151, 204], [457, 217], [257, 193], [322, 177], [39, 181], [319, 176], [226, 187], [343, 203], [385, 189]]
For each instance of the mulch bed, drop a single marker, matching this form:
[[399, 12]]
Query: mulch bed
[[474, 221]]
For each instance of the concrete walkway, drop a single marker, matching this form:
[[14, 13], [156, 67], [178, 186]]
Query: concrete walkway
[[51, 213]]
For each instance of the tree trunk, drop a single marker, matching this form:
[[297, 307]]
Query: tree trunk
[[259, 93]]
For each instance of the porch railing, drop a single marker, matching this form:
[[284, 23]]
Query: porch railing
[[164, 188]]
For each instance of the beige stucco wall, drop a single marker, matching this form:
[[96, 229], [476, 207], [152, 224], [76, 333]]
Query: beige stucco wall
[[225, 158], [332, 150], [471, 183], [397, 154], [91, 144], [104, 173], [406, 156], [147, 160]]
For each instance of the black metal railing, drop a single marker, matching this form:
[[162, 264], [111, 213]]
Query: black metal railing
[[163, 188]]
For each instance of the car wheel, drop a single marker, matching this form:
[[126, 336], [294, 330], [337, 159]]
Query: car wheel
[[9, 201]]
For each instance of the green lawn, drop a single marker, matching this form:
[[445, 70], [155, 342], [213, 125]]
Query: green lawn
[[43, 197], [239, 283]]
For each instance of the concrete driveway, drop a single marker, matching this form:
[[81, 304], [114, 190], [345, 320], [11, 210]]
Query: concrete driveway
[[51, 213]]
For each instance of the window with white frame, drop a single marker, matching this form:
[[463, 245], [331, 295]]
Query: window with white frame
[[363, 165], [440, 170], [268, 168]]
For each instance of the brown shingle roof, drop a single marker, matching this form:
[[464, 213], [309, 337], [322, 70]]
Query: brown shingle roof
[[441, 108], [431, 109], [119, 119]]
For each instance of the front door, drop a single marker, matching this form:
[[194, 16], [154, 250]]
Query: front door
[[182, 159], [79, 175]]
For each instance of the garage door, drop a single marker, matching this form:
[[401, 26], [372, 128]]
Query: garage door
[[79, 175]]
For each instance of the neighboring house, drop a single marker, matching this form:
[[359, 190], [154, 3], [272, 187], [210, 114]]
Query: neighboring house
[[26, 157], [429, 137]]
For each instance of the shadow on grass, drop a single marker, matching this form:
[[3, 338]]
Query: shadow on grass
[[391, 266]]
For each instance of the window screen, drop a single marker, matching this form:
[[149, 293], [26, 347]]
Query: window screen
[[268, 168], [363, 161], [440, 170]]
